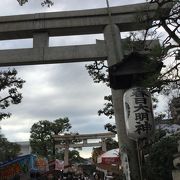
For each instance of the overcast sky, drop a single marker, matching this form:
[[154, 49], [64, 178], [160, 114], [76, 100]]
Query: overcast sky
[[60, 90]]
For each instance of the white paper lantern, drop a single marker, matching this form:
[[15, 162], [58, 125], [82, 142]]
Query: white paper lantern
[[138, 113]]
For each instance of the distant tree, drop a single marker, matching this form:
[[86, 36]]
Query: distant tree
[[74, 157], [111, 144], [41, 140], [8, 150], [9, 86]]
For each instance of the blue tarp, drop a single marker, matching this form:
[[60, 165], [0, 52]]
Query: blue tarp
[[20, 165], [31, 157]]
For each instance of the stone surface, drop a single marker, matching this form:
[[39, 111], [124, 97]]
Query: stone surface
[[74, 22], [50, 55], [176, 174]]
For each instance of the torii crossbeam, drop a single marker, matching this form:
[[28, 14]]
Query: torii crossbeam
[[41, 26]]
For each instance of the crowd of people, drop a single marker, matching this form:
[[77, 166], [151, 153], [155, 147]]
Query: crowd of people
[[73, 176], [94, 176], [60, 175]]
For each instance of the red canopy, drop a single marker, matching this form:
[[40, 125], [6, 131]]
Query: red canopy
[[109, 157]]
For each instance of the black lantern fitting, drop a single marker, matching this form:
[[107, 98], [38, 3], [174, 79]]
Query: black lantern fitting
[[135, 69]]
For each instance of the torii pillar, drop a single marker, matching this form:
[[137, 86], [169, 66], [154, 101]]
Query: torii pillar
[[115, 55]]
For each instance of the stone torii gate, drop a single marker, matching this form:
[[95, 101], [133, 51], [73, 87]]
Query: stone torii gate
[[84, 142], [109, 21]]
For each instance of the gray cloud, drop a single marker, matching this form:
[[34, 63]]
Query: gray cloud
[[60, 90]]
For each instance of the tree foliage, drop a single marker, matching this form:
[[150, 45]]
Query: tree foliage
[[8, 150], [159, 163], [41, 140], [110, 127], [169, 77], [167, 52], [158, 152], [9, 86], [47, 3], [167, 30], [111, 144], [74, 156]]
